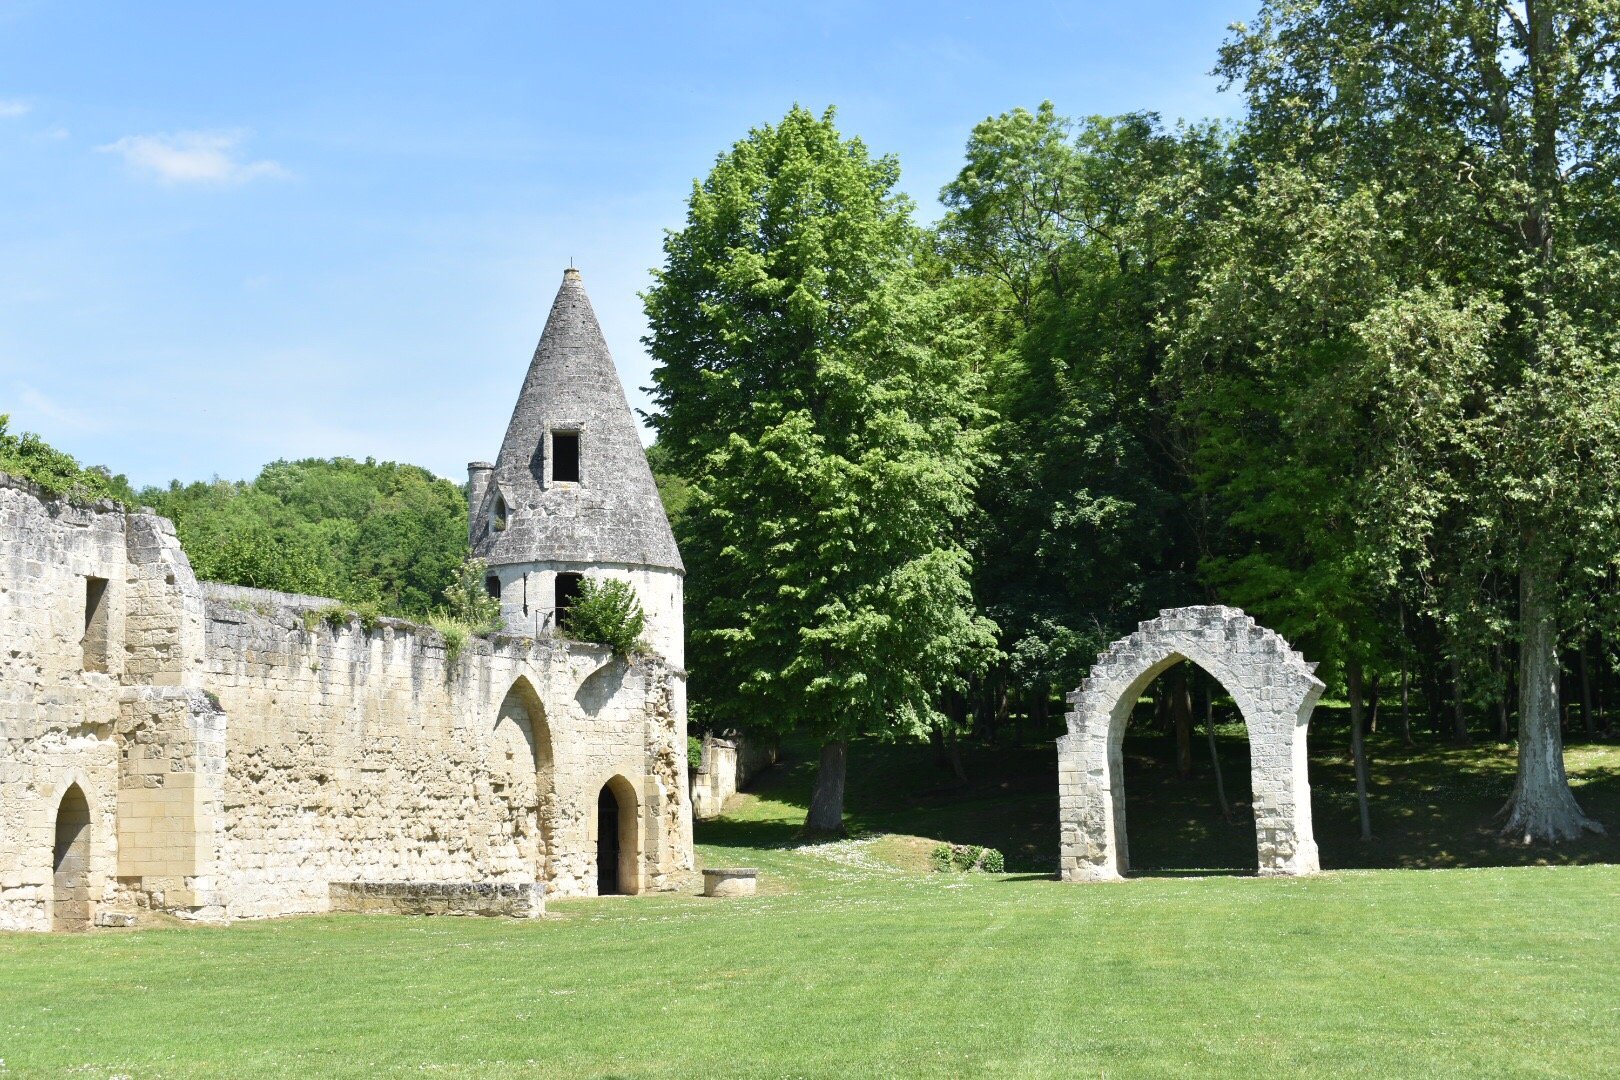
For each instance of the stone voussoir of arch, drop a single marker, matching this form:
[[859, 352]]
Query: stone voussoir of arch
[[1274, 687]]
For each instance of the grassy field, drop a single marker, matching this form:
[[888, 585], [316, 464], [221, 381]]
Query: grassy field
[[857, 961]]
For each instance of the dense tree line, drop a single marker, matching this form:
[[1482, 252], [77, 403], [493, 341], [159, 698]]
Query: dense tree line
[[366, 532], [1349, 362], [378, 534]]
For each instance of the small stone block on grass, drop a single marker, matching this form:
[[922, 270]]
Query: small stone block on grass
[[730, 881]]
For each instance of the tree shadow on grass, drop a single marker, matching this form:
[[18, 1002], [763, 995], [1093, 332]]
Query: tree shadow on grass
[[743, 833], [1432, 804]]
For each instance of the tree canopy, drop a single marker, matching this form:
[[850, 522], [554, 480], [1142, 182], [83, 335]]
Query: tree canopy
[[362, 531], [819, 398]]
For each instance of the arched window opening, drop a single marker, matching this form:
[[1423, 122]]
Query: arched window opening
[[497, 513], [70, 863], [618, 853], [565, 592], [492, 585]]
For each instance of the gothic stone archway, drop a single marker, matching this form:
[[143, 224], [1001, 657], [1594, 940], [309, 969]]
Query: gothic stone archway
[[1274, 688]]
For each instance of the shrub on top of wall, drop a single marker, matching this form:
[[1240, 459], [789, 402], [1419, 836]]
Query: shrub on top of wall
[[606, 612], [28, 457]]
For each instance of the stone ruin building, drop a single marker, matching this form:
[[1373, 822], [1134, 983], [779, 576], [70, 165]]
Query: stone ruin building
[[214, 752]]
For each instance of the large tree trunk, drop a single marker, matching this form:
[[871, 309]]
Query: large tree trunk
[[1358, 746], [1542, 807], [953, 752], [1181, 712], [827, 800]]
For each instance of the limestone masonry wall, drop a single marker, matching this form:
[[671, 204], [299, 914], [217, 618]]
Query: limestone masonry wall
[[729, 761], [238, 763]]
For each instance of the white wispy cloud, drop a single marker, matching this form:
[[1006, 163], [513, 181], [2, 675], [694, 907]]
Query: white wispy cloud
[[12, 107], [194, 157]]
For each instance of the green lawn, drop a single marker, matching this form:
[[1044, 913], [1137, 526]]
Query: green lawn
[[857, 962]]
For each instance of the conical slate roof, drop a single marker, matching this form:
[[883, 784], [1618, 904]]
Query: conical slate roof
[[613, 513]]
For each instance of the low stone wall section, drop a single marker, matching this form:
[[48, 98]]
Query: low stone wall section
[[729, 761], [524, 900]]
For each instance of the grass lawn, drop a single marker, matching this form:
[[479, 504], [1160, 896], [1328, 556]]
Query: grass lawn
[[857, 961]]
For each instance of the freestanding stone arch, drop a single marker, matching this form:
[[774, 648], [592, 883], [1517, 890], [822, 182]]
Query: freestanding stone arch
[[1274, 688]]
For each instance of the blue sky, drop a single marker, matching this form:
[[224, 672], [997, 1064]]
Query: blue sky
[[233, 233]]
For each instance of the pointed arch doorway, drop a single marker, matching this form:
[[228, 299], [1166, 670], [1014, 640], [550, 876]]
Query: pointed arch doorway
[[618, 851], [1273, 687]]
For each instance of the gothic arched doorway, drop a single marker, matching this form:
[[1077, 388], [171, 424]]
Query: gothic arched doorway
[[1273, 687], [618, 854]]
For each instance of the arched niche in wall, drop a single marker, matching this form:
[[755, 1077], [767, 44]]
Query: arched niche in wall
[[70, 863], [524, 754]]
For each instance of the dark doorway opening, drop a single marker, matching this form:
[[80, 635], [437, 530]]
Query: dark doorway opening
[[565, 592], [1186, 777], [565, 457], [607, 843], [70, 868], [492, 585]]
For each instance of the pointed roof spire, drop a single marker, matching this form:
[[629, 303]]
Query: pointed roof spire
[[612, 513]]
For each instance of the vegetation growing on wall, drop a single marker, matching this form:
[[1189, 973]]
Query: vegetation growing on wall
[[28, 457], [606, 612]]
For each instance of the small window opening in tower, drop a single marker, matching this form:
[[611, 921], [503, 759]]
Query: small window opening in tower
[[492, 585], [567, 589], [565, 457], [95, 624], [497, 513]]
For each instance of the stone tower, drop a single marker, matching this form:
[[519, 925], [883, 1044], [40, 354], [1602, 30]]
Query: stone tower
[[571, 495]]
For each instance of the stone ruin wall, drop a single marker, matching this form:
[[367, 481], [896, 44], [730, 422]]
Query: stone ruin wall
[[359, 756], [729, 761], [56, 719], [238, 764]]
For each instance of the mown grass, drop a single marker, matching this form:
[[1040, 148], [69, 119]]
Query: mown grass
[[855, 961]]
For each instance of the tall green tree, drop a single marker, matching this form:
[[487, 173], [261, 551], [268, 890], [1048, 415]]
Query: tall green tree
[[819, 397], [1076, 236], [1501, 120]]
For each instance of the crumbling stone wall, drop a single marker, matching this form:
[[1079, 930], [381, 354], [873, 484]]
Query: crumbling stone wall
[[373, 756], [238, 763], [57, 719], [1274, 688], [729, 761]]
